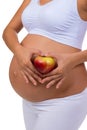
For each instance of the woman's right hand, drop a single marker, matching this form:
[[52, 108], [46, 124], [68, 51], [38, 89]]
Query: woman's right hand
[[23, 56]]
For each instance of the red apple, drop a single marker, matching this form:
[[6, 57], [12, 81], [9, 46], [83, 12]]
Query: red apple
[[44, 64]]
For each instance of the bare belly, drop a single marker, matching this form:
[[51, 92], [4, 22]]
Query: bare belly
[[75, 82]]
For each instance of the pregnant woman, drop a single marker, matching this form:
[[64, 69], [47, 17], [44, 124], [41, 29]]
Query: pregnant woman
[[56, 100]]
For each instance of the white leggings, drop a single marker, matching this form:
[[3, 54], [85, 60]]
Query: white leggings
[[65, 113]]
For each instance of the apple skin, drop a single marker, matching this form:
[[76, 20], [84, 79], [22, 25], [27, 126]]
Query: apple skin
[[44, 64]]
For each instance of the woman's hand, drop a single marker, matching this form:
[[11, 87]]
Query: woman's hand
[[65, 65], [23, 56]]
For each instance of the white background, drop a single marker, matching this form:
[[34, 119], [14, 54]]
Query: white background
[[11, 117]]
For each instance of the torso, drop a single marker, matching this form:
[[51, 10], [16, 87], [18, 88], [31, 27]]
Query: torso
[[77, 79], [75, 82]]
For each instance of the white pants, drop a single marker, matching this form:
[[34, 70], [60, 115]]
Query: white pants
[[65, 113]]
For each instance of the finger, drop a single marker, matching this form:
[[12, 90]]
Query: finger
[[49, 54], [51, 83], [29, 67], [53, 72], [50, 78], [59, 83], [38, 52], [28, 77], [33, 73], [25, 77], [32, 80]]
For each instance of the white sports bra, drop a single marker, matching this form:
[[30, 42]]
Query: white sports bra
[[58, 20]]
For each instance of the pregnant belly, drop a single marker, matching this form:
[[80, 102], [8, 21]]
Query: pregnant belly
[[28, 91]]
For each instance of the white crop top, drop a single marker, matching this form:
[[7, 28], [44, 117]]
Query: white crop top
[[58, 20]]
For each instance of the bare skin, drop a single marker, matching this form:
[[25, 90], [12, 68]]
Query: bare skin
[[70, 77], [75, 81]]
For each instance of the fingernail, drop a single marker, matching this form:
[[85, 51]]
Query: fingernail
[[27, 81], [35, 83], [42, 81], [47, 87], [57, 87]]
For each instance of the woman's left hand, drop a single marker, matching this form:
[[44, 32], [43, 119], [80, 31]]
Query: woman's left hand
[[65, 65]]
